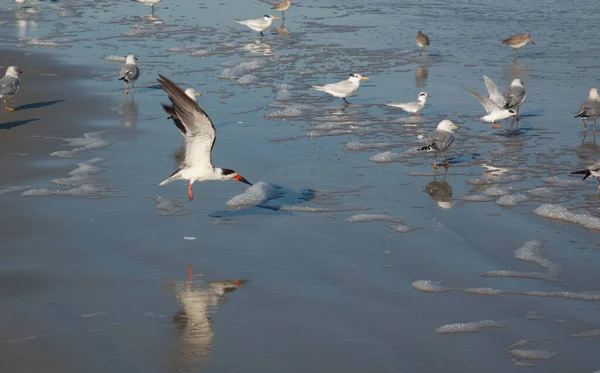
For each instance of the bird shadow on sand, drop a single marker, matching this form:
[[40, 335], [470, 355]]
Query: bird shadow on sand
[[16, 123], [277, 201], [38, 105]]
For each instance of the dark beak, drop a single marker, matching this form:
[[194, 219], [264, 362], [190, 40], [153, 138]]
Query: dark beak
[[241, 179], [138, 58], [532, 42]]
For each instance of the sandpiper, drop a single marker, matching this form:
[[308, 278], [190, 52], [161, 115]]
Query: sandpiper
[[422, 41], [517, 41]]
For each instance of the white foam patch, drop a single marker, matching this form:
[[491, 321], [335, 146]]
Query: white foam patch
[[315, 209], [170, 207], [254, 195], [588, 334], [199, 53], [531, 252], [288, 112], [558, 182], [188, 238], [14, 188], [532, 354], [500, 179], [357, 146], [512, 200], [497, 191], [514, 274], [533, 315], [87, 167], [184, 49], [241, 69], [558, 212], [428, 286], [89, 141], [247, 79], [46, 43], [386, 157], [543, 192], [115, 58], [80, 191], [476, 198], [401, 228], [364, 218], [468, 327], [521, 343]]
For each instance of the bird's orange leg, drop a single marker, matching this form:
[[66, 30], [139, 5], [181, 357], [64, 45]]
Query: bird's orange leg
[[496, 125], [190, 192]]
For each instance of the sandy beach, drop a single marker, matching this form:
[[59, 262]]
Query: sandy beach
[[358, 256]]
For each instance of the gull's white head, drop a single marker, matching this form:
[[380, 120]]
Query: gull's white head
[[13, 71], [130, 60], [191, 93], [516, 83], [270, 18], [357, 78], [593, 93], [423, 96], [447, 125]]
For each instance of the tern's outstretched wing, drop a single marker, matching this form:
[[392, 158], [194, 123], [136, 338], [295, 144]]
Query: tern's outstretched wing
[[193, 122], [487, 104], [493, 91]]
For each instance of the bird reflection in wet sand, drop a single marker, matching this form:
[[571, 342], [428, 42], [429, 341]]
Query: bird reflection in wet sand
[[440, 191], [421, 75], [130, 111], [198, 302], [259, 47], [281, 29], [589, 145]]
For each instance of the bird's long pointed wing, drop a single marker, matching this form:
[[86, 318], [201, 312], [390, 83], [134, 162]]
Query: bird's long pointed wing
[[487, 104], [493, 91], [193, 122], [514, 96]]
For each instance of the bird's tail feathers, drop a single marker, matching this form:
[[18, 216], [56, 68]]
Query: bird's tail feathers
[[427, 148], [174, 176], [582, 114], [585, 172], [123, 78], [317, 87]]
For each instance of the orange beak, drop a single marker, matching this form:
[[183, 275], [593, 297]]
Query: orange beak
[[364, 78], [240, 282], [241, 179]]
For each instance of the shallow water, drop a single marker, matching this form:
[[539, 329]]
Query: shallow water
[[505, 232]]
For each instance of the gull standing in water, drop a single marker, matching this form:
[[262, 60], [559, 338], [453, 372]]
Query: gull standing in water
[[200, 136], [422, 41], [590, 109], [593, 170], [512, 98], [9, 85], [282, 6], [129, 73], [343, 89], [440, 140], [518, 41], [149, 2], [258, 25], [494, 104], [412, 107]]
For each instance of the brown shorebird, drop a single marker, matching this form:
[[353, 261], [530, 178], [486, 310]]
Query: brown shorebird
[[282, 6], [517, 41], [422, 41]]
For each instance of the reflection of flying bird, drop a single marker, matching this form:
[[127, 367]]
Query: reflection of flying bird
[[200, 135], [493, 104], [440, 140], [593, 170], [9, 85], [258, 25], [129, 73], [149, 2], [517, 41], [413, 106], [343, 89], [422, 41], [590, 109], [197, 306]]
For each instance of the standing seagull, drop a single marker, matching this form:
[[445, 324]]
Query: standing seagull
[[129, 73], [412, 107], [282, 6], [593, 170], [422, 41], [440, 140], [9, 85], [258, 25], [494, 104], [200, 136], [589, 110], [343, 89], [517, 41]]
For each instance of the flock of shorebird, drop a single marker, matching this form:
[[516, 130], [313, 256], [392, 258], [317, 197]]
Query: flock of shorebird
[[199, 132]]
